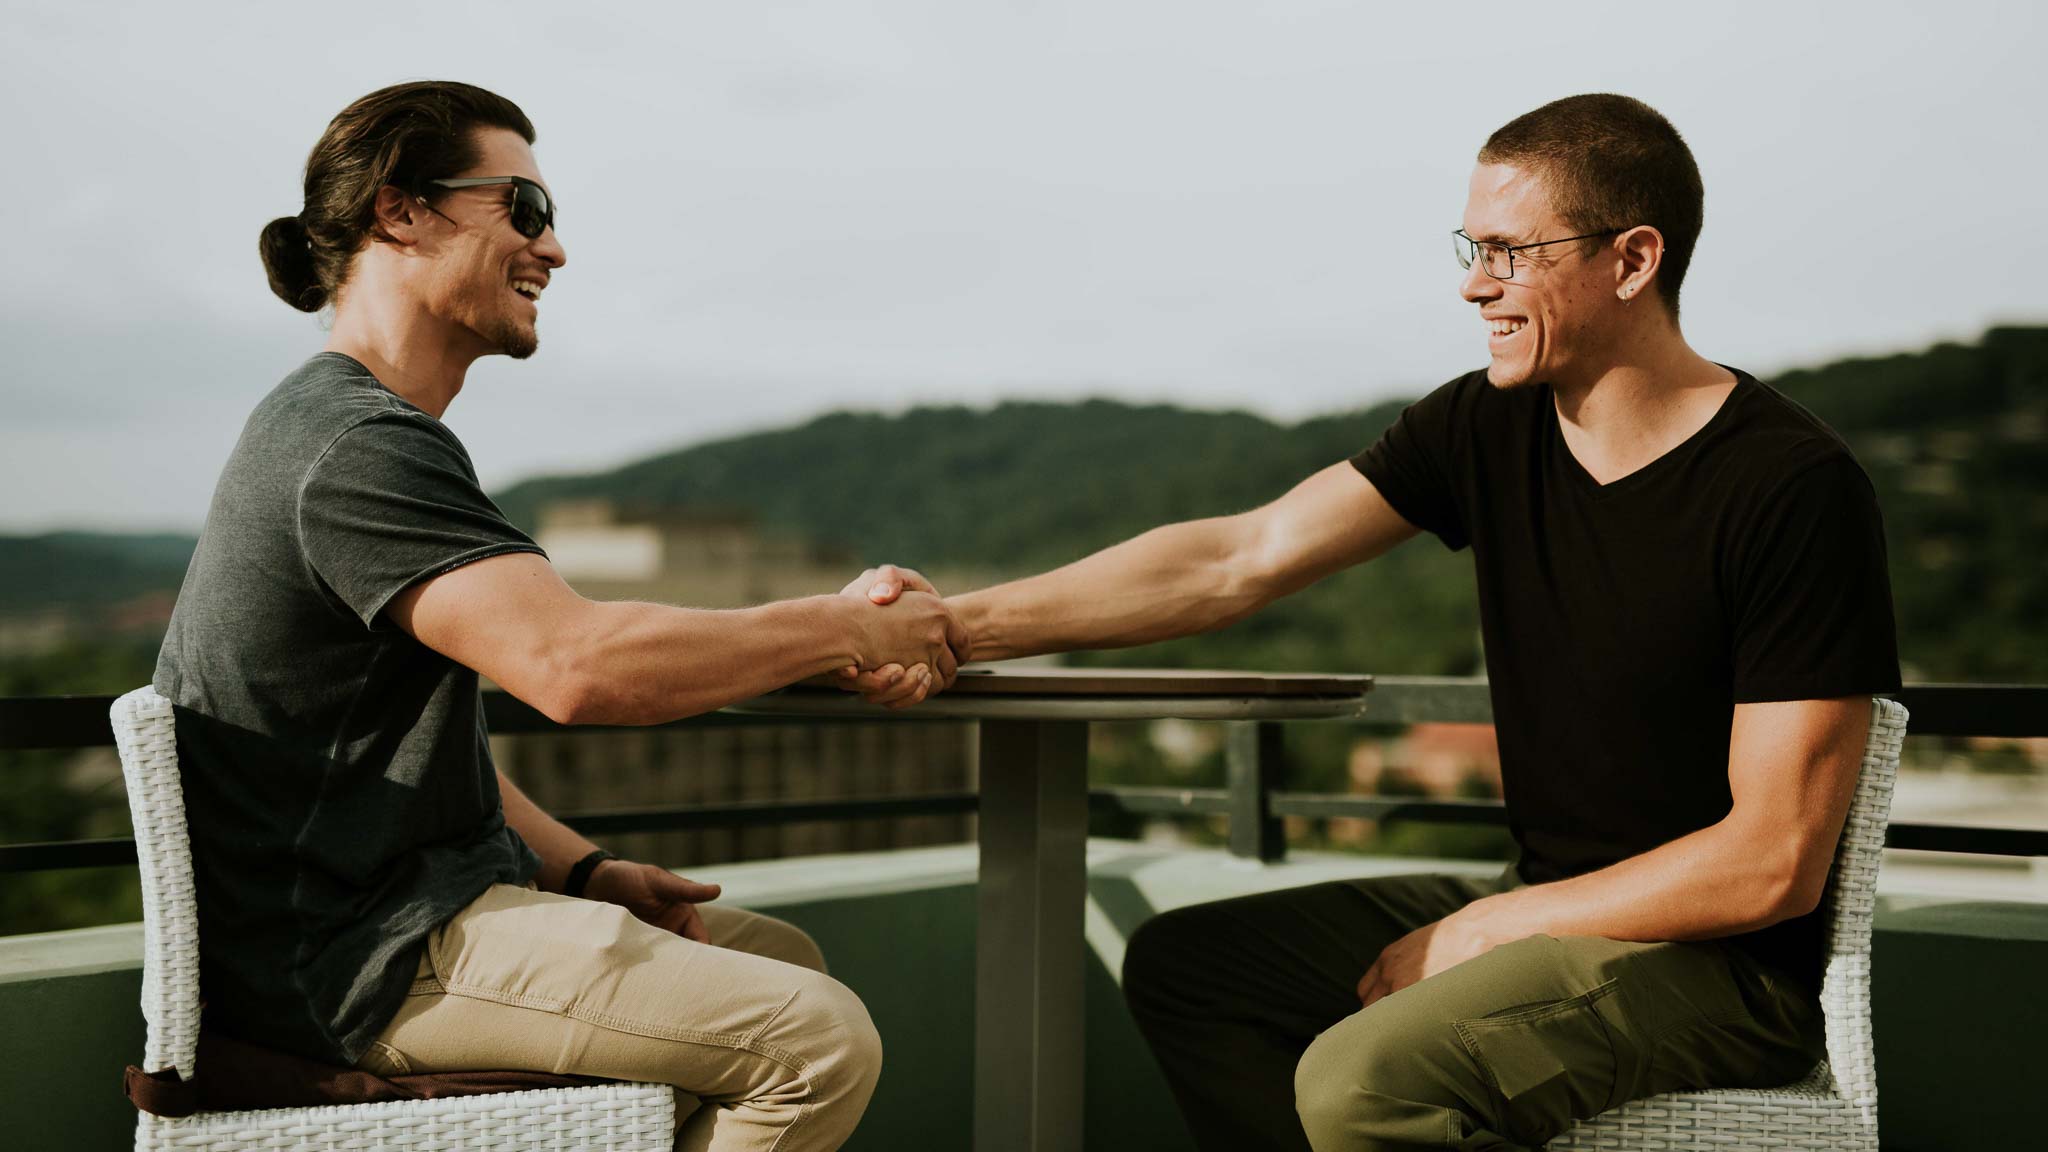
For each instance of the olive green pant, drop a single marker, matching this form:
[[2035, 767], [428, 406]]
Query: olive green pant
[[1251, 1007]]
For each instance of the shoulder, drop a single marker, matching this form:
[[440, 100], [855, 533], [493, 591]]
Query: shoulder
[[392, 444], [1772, 447], [326, 397], [358, 432]]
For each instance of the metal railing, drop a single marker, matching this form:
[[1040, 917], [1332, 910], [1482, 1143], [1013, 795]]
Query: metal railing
[[1254, 801]]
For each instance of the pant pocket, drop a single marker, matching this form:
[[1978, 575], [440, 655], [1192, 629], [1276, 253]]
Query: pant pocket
[[1548, 1063], [382, 1059]]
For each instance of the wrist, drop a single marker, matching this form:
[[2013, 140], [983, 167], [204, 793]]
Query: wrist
[[1482, 922], [837, 617], [984, 639], [577, 882]]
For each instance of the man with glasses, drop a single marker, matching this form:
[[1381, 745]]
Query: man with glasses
[[1685, 609], [371, 890]]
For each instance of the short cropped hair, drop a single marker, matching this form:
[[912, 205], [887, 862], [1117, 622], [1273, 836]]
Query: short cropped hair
[[1611, 162]]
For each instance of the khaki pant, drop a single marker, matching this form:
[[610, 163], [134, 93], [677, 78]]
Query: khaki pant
[[1251, 1007], [782, 1056]]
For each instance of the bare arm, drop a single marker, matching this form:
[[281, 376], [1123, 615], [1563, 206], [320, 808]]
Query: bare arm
[[558, 845], [1792, 767], [589, 662], [1189, 577], [652, 893]]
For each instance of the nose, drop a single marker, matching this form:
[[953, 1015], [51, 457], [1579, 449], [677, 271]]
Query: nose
[[1477, 287], [548, 249]]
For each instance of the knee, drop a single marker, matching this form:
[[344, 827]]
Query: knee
[[840, 1047], [792, 945], [759, 935], [1332, 1088], [1361, 1086], [1156, 955]]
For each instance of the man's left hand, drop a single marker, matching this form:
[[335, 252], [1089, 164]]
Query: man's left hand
[[1423, 953], [654, 894]]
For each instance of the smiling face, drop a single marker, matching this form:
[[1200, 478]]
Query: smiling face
[[1558, 318], [485, 277]]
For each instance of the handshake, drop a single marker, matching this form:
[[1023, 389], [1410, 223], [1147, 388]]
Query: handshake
[[909, 645]]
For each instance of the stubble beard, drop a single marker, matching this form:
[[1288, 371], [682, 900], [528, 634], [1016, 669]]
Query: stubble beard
[[1508, 380], [516, 340]]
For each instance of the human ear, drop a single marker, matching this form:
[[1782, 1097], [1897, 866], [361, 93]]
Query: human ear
[[1642, 252], [395, 216]]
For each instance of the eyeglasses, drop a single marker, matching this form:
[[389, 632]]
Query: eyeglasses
[[533, 211], [1498, 260]]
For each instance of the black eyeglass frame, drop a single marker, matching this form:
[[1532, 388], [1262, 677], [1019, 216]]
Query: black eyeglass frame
[[1466, 261], [519, 185]]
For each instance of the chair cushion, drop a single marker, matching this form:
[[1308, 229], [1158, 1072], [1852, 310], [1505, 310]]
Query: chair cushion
[[236, 1076]]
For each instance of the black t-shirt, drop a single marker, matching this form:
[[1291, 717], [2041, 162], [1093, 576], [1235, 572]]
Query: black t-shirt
[[1623, 622], [337, 775]]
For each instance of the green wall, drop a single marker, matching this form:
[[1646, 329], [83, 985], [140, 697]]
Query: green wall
[[1960, 1004]]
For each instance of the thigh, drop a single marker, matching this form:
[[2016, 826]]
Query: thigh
[[759, 935], [531, 980], [1293, 958], [1542, 1031]]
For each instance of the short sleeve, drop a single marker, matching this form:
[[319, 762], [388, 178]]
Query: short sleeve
[[393, 501], [1813, 607], [1411, 465]]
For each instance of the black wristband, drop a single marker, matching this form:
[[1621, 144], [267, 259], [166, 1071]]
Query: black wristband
[[579, 873]]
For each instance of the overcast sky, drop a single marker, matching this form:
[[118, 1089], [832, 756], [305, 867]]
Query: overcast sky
[[776, 209]]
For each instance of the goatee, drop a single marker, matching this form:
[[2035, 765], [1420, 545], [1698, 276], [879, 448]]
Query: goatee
[[517, 340]]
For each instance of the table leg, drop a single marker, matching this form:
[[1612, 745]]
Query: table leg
[[1030, 957]]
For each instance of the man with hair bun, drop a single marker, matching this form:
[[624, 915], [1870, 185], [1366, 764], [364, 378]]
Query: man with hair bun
[[1685, 608], [371, 890]]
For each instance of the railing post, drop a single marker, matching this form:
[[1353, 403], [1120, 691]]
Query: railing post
[[1253, 757]]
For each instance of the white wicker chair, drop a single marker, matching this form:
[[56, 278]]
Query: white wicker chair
[[614, 1117], [1835, 1106]]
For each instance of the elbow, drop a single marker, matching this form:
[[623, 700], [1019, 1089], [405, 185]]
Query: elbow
[[1794, 889], [1802, 895], [567, 704], [1248, 579], [569, 693]]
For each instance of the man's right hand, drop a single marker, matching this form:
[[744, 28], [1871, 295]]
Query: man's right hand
[[912, 643]]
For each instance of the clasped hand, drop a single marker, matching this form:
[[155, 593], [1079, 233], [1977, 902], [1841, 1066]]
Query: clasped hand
[[922, 643]]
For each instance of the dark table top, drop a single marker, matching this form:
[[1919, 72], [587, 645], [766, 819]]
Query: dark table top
[[995, 680], [991, 692]]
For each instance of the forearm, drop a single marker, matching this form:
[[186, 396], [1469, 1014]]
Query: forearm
[[558, 846], [1715, 882], [651, 663], [1172, 581]]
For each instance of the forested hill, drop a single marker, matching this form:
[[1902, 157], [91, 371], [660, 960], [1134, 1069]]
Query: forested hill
[[1955, 438], [1020, 484], [80, 571]]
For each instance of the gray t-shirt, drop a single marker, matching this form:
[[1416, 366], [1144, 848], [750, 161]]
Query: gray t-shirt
[[337, 773]]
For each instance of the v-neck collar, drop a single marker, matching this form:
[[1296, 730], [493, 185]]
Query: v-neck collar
[[1583, 481]]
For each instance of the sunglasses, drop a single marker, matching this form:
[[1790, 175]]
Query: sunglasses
[[533, 211]]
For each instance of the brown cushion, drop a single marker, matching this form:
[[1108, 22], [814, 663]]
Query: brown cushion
[[236, 1076]]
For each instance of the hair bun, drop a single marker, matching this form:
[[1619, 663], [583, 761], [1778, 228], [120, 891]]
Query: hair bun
[[287, 251]]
